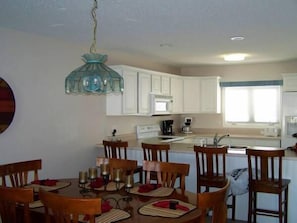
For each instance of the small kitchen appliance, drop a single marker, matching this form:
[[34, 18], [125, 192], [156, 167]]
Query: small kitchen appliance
[[166, 127], [187, 125]]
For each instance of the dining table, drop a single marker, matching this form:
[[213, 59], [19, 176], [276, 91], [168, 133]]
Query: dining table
[[137, 207]]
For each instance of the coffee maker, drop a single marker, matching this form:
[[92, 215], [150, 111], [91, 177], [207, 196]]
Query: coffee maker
[[166, 127], [187, 126]]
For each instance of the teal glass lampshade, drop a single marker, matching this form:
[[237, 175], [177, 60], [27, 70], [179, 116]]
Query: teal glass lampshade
[[94, 77]]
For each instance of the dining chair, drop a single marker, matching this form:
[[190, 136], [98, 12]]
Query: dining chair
[[167, 173], [211, 170], [10, 199], [265, 176], [118, 150], [215, 201], [20, 173], [128, 166], [69, 209]]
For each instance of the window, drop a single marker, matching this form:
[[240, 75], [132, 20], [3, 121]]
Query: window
[[252, 105]]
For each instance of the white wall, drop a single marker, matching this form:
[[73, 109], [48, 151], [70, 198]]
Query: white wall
[[60, 129]]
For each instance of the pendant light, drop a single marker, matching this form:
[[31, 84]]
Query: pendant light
[[94, 77]]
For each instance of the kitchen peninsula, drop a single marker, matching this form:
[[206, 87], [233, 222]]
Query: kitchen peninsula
[[182, 151]]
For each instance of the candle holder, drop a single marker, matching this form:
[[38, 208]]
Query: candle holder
[[83, 181], [129, 183], [117, 178], [92, 174]]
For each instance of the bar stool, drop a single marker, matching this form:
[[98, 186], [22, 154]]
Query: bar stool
[[211, 169], [118, 150], [265, 176]]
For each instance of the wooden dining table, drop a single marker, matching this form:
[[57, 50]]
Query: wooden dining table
[[128, 202]]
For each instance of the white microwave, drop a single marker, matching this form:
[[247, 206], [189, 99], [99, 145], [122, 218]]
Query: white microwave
[[161, 104]]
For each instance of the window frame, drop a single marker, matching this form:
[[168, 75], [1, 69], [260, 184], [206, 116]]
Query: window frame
[[250, 124]]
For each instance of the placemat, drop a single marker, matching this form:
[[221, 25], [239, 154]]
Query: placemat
[[159, 192], [36, 204], [112, 216], [59, 185], [151, 210], [111, 186]]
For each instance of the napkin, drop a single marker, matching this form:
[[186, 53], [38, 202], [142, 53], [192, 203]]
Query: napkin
[[105, 207], [97, 183], [165, 204], [46, 182], [148, 187]]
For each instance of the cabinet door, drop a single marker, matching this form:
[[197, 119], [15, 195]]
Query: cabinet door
[[177, 94], [130, 92], [210, 95], [290, 82], [191, 95], [144, 89], [165, 85], [156, 84]]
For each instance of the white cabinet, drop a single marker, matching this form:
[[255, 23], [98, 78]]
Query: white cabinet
[[144, 89], [161, 84], [126, 103], [289, 82], [191, 95], [210, 95], [177, 94]]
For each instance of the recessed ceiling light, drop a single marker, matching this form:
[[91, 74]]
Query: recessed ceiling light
[[237, 38], [165, 45], [235, 57]]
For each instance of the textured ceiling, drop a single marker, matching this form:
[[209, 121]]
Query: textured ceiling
[[192, 32]]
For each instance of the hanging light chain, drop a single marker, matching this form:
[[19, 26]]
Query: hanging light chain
[[93, 12]]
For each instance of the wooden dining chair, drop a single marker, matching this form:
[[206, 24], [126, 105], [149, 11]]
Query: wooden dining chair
[[216, 201], [20, 173], [167, 173], [265, 176], [68, 209], [211, 169], [155, 152], [118, 150], [10, 199], [128, 166]]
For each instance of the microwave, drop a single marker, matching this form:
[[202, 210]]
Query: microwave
[[161, 104]]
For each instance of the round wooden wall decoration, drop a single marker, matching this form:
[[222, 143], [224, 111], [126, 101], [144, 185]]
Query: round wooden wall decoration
[[7, 105]]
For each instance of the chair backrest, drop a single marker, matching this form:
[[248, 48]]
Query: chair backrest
[[167, 172], [215, 201], [20, 173], [211, 165], [68, 209], [127, 166], [10, 198], [115, 149], [155, 152], [265, 167]]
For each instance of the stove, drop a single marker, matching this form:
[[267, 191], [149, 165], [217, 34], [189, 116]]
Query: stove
[[153, 130]]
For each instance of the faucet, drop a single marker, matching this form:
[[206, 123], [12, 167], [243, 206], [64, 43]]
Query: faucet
[[217, 139]]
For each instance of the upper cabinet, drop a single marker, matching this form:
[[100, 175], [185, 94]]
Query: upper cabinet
[[160, 84], [210, 95], [126, 103], [290, 82], [190, 94]]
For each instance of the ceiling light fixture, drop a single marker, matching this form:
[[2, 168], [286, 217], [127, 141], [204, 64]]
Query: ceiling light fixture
[[237, 38], [94, 77], [235, 57]]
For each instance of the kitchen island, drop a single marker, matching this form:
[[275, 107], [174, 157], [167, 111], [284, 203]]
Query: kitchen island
[[182, 151]]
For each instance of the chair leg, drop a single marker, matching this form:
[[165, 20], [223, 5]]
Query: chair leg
[[286, 205], [250, 206], [254, 211], [233, 207]]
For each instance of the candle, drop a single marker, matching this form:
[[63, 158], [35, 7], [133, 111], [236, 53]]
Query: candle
[[104, 170], [129, 181], [82, 177], [92, 173], [117, 174]]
